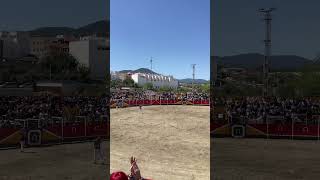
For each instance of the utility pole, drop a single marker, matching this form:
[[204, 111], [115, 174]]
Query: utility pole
[[267, 42], [151, 61], [193, 75]]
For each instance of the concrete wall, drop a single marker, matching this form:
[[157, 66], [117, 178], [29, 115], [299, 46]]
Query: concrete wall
[[99, 59], [94, 54], [80, 50]]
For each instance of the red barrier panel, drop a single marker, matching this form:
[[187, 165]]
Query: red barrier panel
[[55, 129], [155, 102], [205, 102], [162, 102], [132, 102], [260, 127], [303, 130], [286, 129], [214, 126], [5, 132], [97, 129], [73, 131]]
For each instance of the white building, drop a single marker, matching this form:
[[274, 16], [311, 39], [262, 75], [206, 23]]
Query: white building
[[156, 80], [94, 54]]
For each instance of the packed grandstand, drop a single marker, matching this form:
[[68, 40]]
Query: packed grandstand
[[45, 107], [267, 116], [135, 95], [257, 108]]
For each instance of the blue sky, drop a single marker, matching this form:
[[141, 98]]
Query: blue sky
[[176, 33], [237, 27], [30, 14]]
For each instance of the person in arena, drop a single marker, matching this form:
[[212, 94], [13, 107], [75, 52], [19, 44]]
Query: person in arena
[[22, 141], [97, 154]]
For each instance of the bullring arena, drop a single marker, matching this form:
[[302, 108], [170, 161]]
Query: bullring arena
[[264, 159], [58, 137], [66, 161], [280, 146], [69, 156], [169, 141]]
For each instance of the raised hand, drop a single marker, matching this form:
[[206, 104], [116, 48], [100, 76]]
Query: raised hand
[[135, 171]]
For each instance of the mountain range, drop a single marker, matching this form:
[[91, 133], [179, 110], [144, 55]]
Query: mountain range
[[101, 28], [140, 70], [255, 60], [196, 81]]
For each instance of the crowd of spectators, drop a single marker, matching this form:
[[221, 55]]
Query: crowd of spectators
[[46, 106], [152, 95], [258, 108]]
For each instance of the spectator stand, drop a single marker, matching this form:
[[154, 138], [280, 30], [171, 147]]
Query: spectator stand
[[54, 130], [270, 118]]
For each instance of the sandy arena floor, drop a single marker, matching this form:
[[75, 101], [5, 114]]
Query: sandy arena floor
[[59, 162], [261, 159], [170, 142]]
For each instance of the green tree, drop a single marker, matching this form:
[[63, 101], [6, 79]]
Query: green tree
[[61, 66], [128, 82], [84, 73], [136, 85], [165, 89], [205, 88], [183, 90], [306, 82], [115, 83], [148, 86]]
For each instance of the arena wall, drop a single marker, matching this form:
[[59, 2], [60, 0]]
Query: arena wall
[[130, 103], [293, 130], [56, 133]]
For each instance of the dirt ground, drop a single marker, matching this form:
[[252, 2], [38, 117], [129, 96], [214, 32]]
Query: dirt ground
[[262, 159], [170, 142], [59, 162]]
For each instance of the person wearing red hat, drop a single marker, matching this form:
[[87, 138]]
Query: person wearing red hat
[[135, 173], [119, 175]]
